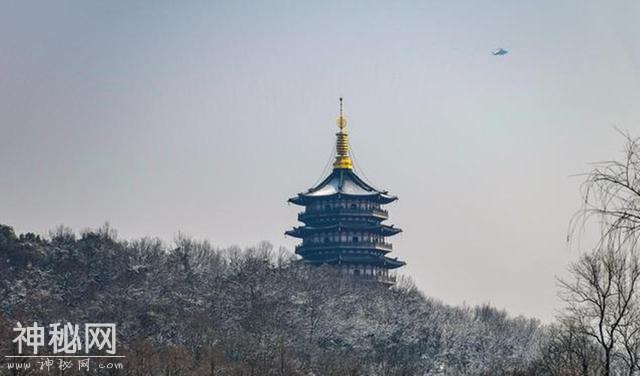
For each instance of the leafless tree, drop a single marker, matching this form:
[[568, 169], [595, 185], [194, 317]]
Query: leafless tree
[[611, 195], [569, 352], [601, 300], [602, 295], [629, 333]]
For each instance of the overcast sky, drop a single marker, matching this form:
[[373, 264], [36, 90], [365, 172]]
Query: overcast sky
[[204, 117]]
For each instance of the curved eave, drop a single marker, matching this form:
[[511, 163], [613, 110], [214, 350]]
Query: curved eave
[[376, 248], [382, 261], [292, 233], [303, 199]]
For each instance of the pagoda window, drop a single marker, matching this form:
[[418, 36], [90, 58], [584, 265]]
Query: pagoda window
[[355, 239], [356, 272], [354, 206]]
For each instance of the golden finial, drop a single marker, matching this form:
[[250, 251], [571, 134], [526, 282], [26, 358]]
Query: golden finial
[[342, 144], [342, 122]]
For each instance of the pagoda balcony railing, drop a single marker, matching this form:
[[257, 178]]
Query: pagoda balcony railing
[[306, 247], [317, 213], [386, 279]]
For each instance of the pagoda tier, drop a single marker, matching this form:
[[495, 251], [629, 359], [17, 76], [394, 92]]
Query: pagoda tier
[[343, 221], [376, 261], [343, 228]]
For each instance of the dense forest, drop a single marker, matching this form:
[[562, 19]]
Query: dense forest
[[194, 309], [189, 308]]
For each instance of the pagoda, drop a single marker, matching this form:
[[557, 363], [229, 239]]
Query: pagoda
[[343, 220]]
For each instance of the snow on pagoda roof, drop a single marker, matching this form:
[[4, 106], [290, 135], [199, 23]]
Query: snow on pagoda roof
[[338, 184], [345, 182]]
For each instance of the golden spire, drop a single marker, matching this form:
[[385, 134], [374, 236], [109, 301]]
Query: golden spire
[[343, 160]]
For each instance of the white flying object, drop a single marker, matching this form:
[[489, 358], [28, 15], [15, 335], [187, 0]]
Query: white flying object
[[499, 52]]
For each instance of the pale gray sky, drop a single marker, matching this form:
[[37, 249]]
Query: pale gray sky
[[204, 117]]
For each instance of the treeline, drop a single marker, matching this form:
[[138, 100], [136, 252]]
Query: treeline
[[192, 309]]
